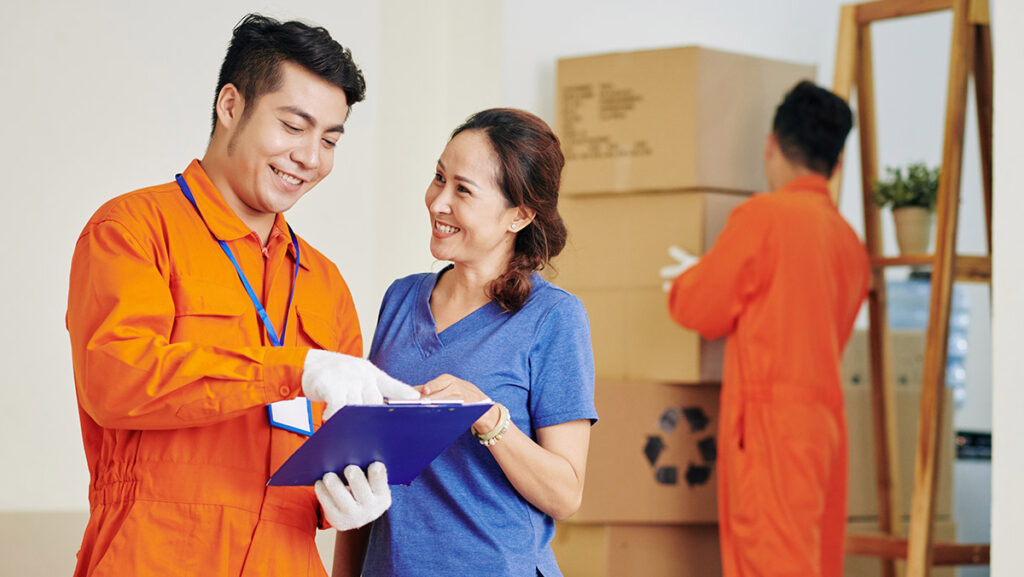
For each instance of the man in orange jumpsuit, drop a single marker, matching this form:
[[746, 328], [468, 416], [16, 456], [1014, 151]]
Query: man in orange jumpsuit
[[783, 282], [196, 317]]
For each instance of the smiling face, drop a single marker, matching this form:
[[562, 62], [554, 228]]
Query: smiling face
[[471, 221], [265, 159]]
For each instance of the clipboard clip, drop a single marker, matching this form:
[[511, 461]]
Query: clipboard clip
[[424, 402]]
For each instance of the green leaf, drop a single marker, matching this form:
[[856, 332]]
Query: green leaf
[[917, 186]]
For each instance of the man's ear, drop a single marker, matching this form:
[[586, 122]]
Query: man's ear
[[771, 146], [230, 105]]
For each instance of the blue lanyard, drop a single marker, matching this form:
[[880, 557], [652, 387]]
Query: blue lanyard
[[245, 282]]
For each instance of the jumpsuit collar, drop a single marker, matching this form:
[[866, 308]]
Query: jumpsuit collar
[[223, 223], [809, 183]]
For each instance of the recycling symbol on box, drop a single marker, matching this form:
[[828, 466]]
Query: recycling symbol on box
[[696, 473]]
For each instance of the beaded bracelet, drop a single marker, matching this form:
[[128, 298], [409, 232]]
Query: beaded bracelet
[[499, 430]]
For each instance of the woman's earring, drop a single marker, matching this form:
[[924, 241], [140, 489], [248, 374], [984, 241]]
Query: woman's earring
[[514, 227]]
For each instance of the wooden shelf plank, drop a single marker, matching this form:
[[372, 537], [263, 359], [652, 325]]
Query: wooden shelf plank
[[904, 260], [869, 12], [966, 268], [943, 552]]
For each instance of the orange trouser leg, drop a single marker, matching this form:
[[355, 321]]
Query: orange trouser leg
[[782, 489], [833, 524]]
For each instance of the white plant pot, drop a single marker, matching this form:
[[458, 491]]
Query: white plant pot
[[913, 229]]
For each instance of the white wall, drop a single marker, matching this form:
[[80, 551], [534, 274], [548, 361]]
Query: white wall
[[440, 66], [1008, 394]]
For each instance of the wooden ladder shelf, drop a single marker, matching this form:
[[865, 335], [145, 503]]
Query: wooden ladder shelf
[[971, 52]]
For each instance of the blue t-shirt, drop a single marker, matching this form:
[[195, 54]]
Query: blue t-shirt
[[461, 516]]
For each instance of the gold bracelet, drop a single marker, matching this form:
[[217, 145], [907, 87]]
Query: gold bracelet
[[499, 430]]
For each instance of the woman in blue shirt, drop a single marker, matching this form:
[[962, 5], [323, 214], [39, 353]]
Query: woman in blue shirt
[[488, 326]]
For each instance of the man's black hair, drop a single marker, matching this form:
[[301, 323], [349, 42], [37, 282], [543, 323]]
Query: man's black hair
[[811, 126], [260, 44]]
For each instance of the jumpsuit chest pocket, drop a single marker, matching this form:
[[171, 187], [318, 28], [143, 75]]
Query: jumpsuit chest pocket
[[316, 328], [209, 313]]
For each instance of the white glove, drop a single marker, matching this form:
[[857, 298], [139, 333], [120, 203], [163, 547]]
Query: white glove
[[356, 505], [684, 260], [341, 380]]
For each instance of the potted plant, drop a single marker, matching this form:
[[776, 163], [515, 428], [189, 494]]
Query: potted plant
[[912, 195]]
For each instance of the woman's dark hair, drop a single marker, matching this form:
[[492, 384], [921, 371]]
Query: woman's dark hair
[[530, 171], [258, 47], [811, 126]]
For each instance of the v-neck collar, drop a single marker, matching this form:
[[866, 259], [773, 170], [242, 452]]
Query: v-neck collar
[[430, 340]]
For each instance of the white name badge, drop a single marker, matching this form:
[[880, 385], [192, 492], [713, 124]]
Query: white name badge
[[294, 415]]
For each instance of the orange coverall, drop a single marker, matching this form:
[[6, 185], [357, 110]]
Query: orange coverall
[[174, 371], [784, 282]]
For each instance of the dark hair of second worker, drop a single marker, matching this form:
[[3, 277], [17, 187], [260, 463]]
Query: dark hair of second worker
[[260, 44], [530, 173], [811, 126]]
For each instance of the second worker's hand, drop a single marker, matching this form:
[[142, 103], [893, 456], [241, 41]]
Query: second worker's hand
[[340, 380], [684, 261]]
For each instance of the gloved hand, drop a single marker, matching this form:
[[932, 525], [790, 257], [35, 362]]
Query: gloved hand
[[365, 498], [684, 260], [341, 380]]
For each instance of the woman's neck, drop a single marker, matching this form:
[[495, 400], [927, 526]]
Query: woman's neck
[[463, 286], [461, 290]]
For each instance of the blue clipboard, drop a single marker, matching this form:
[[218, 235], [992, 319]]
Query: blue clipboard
[[405, 437]]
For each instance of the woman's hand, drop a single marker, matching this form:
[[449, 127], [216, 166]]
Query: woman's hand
[[548, 472], [451, 387]]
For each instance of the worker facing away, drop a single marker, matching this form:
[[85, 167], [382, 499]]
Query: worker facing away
[[196, 318], [783, 283]]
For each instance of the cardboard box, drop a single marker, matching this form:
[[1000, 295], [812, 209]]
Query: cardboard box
[[618, 550], [622, 241], [635, 339], [907, 350], [608, 320], [617, 246], [652, 455], [856, 566], [863, 500], [668, 119]]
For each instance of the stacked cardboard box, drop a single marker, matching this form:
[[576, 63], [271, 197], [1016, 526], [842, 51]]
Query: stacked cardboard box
[[648, 550], [678, 118], [863, 494], [652, 456], [907, 351], [618, 245], [660, 146]]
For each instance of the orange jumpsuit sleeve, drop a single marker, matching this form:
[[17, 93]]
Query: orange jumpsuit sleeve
[[128, 374], [710, 296]]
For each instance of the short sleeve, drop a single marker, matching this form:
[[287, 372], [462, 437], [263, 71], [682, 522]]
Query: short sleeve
[[562, 366], [383, 317]]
